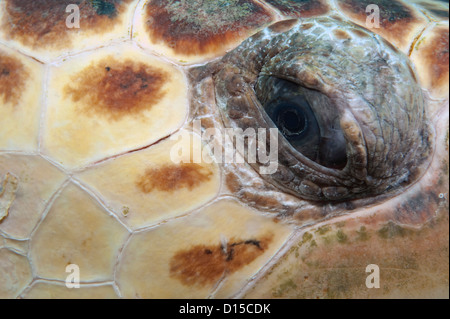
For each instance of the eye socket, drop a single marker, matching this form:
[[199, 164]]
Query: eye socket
[[348, 103], [306, 119]]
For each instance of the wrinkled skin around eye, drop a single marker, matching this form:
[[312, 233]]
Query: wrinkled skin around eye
[[349, 108]]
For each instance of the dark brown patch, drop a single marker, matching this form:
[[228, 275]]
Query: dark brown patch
[[396, 18], [115, 89], [283, 26], [232, 182], [258, 200], [43, 23], [340, 34], [391, 11], [259, 197], [436, 55], [306, 26], [360, 33], [206, 264], [300, 8], [172, 177], [12, 79], [200, 27]]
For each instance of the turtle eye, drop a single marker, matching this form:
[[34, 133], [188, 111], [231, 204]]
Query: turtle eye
[[306, 119], [349, 110], [293, 118]]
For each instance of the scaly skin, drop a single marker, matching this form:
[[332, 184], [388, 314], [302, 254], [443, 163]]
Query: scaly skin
[[91, 118]]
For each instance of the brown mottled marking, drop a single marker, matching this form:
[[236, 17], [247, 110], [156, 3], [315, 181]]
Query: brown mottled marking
[[172, 177], [396, 18], [300, 8], [232, 182], [360, 33], [340, 34], [199, 27], [283, 26], [116, 89], [43, 23], [436, 55], [306, 26], [206, 264], [392, 12], [12, 78]]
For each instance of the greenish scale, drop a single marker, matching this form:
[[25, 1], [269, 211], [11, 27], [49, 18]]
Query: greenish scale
[[392, 230], [104, 7], [362, 234], [341, 236], [208, 14]]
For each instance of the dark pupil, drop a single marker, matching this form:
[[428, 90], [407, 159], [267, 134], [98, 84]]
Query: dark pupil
[[291, 121]]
